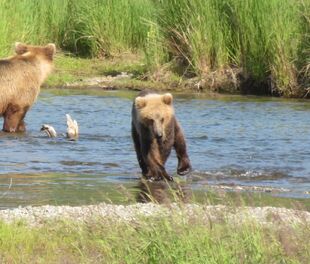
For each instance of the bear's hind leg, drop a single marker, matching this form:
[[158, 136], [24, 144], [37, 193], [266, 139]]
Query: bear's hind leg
[[184, 164]]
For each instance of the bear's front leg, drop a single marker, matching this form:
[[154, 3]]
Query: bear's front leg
[[13, 119], [184, 164], [155, 167], [157, 172], [21, 126], [149, 155], [137, 145]]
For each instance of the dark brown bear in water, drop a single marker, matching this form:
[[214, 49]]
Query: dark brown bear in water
[[155, 131], [20, 79]]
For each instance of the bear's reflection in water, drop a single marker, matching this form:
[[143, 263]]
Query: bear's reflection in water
[[163, 191]]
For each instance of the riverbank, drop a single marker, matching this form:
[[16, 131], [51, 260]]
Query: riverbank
[[129, 71], [152, 233]]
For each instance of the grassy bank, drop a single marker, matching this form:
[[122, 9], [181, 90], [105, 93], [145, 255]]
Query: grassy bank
[[75, 72], [176, 239], [260, 47]]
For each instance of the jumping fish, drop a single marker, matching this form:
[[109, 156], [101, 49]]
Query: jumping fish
[[49, 130], [72, 128]]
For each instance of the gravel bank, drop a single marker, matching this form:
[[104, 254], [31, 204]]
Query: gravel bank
[[266, 215]]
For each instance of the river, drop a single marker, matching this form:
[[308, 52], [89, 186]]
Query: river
[[234, 142]]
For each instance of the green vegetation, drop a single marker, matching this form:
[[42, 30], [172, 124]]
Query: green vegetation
[[75, 71], [70, 69], [250, 46], [176, 239]]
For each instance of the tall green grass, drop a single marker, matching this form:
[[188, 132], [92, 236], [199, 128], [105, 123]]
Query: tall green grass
[[93, 27], [263, 38], [153, 240], [195, 33], [269, 34], [108, 27], [267, 41], [35, 21]]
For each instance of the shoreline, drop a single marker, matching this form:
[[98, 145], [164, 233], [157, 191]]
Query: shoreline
[[266, 215]]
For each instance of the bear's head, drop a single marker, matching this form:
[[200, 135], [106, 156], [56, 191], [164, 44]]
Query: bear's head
[[40, 56], [43, 52], [155, 111]]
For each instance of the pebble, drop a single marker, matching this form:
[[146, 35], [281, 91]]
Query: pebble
[[36, 216]]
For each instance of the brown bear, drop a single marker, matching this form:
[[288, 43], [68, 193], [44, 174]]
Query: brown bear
[[20, 79], [155, 131]]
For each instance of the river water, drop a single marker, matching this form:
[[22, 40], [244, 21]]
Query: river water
[[235, 143]]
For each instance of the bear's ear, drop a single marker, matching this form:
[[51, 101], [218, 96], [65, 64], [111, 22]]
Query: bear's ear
[[167, 98], [50, 50], [20, 48], [51, 47], [140, 102]]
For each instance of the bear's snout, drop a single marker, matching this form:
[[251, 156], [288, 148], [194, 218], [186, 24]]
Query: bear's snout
[[159, 135], [157, 130]]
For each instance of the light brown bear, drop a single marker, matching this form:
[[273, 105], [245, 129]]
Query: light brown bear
[[155, 131], [20, 79]]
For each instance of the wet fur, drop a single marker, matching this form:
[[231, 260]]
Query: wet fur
[[152, 152], [20, 79]]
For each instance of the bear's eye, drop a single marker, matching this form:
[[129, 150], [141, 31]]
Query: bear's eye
[[162, 120], [149, 121]]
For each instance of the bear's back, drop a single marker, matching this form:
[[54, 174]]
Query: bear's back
[[22, 74]]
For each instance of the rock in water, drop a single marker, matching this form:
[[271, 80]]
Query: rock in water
[[49, 130], [72, 128]]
